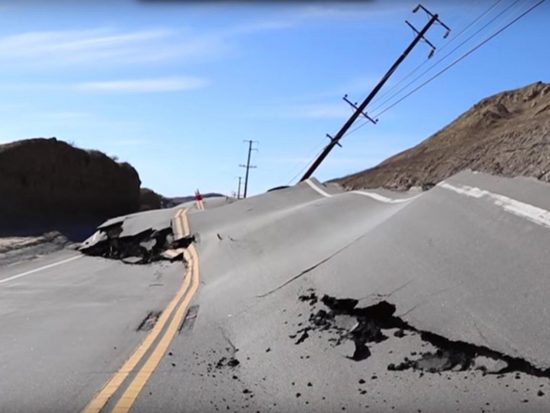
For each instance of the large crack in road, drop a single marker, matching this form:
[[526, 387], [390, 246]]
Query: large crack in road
[[343, 321]]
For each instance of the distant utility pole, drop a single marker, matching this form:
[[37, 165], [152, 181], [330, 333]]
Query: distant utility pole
[[239, 188], [360, 110], [248, 166]]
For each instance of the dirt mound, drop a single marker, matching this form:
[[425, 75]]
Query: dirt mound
[[149, 199], [506, 134], [50, 181]]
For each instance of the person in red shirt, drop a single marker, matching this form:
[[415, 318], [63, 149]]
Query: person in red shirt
[[199, 199]]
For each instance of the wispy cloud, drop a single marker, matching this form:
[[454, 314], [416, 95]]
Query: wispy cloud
[[103, 45], [166, 84], [144, 85], [110, 46]]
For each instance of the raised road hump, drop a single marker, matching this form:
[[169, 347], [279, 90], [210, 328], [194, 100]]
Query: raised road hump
[[309, 298], [449, 249], [467, 270]]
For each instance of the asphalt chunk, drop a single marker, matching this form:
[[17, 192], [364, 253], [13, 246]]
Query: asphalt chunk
[[343, 321], [147, 246]]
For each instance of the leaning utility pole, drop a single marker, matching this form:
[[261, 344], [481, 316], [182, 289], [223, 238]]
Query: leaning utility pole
[[248, 166], [360, 110]]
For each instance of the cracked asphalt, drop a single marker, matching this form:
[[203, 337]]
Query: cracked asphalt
[[466, 261]]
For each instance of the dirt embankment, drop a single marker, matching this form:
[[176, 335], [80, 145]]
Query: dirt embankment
[[506, 134], [149, 199], [47, 182]]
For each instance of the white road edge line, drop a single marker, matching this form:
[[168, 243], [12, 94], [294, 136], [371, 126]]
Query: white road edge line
[[316, 188], [45, 267], [382, 198], [373, 195], [530, 212]]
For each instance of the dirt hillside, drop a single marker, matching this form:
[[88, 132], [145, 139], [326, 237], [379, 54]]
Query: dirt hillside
[[506, 134], [48, 180]]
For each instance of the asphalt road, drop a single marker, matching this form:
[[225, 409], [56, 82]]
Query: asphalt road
[[466, 261]]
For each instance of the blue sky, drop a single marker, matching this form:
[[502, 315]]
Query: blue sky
[[175, 87]]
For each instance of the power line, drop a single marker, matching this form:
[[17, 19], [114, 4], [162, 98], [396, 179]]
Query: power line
[[463, 30], [469, 52], [450, 41], [381, 104], [462, 57]]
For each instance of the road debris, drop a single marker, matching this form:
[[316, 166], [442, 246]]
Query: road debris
[[343, 321], [144, 247]]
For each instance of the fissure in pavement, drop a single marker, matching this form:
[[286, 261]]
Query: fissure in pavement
[[365, 326]]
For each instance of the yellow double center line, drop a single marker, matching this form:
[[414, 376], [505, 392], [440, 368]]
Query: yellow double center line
[[178, 306]]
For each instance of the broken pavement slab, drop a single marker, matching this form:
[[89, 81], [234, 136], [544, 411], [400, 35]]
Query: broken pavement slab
[[139, 238], [172, 254]]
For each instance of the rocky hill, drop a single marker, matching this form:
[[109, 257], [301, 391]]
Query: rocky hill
[[50, 181], [506, 134]]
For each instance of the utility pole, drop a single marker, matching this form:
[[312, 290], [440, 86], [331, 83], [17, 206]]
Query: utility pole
[[360, 110], [248, 166], [239, 188]]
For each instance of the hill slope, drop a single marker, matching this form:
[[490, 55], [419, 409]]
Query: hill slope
[[506, 134], [47, 180]]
